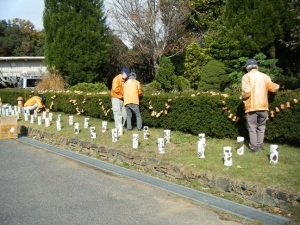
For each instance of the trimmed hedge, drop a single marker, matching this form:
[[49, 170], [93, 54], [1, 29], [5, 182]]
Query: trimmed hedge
[[211, 113]]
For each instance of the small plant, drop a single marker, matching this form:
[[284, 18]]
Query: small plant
[[89, 87], [53, 82]]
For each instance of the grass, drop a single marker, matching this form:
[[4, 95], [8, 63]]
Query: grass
[[250, 167]]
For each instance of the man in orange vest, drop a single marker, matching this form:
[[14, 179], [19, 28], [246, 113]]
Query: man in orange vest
[[255, 88], [132, 91], [117, 97]]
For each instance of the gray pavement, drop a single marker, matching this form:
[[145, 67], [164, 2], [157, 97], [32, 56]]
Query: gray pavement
[[39, 187]]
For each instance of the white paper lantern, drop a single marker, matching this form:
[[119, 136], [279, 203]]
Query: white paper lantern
[[240, 146], [227, 156], [93, 132], [135, 141], [146, 132], [47, 122], [39, 120], [58, 125], [273, 154], [161, 145], [86, 122], [104, 126], [201, 146], [76, 128], [167, 136], [71, 120], [114, 134]]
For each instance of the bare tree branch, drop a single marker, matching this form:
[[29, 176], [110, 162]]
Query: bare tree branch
[[153, 27]]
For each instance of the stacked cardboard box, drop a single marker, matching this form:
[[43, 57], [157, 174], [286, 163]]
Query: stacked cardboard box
[[8, 127]]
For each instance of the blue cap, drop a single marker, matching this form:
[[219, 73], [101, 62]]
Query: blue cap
[[125, 70], [133, 75]]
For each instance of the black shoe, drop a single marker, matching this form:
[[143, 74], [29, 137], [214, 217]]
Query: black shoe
[[261, 147], [253, 150]]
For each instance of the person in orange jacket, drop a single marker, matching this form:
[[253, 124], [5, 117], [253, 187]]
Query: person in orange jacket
[[132, 92], [255, 88], [34, 103], [117, 97]]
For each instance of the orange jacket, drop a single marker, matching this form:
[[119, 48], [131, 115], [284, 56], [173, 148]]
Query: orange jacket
[[255, 88], [117, 87], [33, 100], [132, 91]]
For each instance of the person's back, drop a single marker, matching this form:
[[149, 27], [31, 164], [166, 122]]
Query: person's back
[[255, 88], [132, 91]]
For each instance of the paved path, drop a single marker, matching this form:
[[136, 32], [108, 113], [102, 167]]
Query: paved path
[[39, 187]]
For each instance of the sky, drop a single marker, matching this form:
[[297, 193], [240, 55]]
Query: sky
[[31, 10]]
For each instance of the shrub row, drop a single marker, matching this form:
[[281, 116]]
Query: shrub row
[[211, 113]]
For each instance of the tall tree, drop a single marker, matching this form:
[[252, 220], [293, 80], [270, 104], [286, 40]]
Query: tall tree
[[19, 38], [76, 39], [152, 27]]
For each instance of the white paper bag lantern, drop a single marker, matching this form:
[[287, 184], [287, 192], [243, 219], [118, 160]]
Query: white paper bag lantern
[[240, 146], [114, 134], [86, 122], [26, 116], [93, 132], [58, 125], [35, 113], [39, 120], [47, 122], [59, 117], [50, 116], [201, 146], [146, 132], [167, 136], [104, 126], [71, 120], [76, 128], [135, 141], [31, 119], [44, 115], [161, 145], [273, 154], [227, 156]]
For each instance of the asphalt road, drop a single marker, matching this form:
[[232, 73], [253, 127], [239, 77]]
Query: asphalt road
[[40, 187]]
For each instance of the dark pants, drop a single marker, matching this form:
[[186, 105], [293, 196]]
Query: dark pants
[[136, 110]]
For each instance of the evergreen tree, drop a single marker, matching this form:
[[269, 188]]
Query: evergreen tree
[[165, 75], [213, 77], [75, 39], [194, 60]]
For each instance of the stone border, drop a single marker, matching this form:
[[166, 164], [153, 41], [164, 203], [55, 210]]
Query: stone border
[[280, 201]]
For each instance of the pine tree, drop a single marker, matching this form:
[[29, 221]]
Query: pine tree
[[76, 39]]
